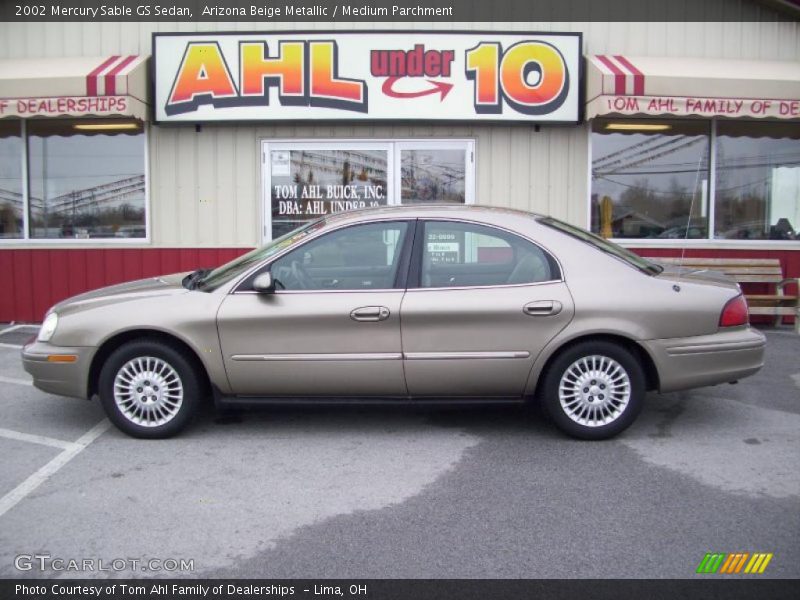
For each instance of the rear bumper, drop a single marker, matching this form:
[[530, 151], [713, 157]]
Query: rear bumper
[[61, 378], [698, 361]]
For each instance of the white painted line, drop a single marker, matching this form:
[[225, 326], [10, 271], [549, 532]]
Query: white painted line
[[15, 381], [11, 499], [769, 332], [14, 346], [15, 327], [35, 439]]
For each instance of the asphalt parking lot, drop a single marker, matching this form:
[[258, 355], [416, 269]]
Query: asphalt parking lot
[[397, 493]]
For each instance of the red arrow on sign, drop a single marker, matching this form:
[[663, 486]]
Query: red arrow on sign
[[438, 87]]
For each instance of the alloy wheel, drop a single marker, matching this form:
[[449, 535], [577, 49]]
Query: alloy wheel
[[594, 390], [148, 391]]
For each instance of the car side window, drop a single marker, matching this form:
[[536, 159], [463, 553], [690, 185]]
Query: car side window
[[467, 254], [354, 258]]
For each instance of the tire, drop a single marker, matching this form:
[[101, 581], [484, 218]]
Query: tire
[[583, 407], [167, 380]]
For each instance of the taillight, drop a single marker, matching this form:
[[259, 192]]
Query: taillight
[[734, 313]]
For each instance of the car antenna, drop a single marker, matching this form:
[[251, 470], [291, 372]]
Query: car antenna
[[688, 222]]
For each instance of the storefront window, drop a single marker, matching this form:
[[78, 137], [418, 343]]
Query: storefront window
[[307, 180], [650, 179], [433, 175], [86, 179], [757, 181], [309, 183], [11, 200]]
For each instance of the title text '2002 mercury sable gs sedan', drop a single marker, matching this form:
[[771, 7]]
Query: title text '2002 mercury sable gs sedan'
[[434, 303]]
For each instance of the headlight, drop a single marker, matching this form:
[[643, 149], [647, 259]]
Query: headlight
[[48, 327]]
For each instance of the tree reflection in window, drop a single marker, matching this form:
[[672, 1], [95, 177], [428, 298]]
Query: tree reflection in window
[[757, 180], [11, 202], [650, 178], [86, 179]]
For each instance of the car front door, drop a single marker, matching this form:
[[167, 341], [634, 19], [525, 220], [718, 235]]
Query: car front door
[[485, 303], [332, 326]]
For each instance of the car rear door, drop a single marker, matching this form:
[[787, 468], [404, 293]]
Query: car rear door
[[482, 303], [334, 328]]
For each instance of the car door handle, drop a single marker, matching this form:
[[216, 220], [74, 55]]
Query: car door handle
[[370, 313], [542, 308]]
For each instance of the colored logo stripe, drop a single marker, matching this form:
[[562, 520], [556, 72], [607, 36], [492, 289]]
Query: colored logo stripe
[[729, 564], [734, 562], [710, 563], [758, 563]]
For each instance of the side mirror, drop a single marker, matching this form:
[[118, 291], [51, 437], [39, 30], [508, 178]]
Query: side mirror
[[264, 283]]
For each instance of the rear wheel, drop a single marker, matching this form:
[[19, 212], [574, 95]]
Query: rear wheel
[[594, 390], [149, 389]]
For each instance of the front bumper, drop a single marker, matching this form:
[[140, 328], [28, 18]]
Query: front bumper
[[61, 378], [722, 357]]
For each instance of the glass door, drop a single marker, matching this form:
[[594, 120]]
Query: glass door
[[307, 180]]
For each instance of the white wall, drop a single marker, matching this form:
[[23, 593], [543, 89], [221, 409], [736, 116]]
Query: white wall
[[766, 40], [205, 186]]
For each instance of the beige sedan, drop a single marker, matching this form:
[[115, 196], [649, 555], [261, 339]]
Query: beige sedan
[[413, 304]]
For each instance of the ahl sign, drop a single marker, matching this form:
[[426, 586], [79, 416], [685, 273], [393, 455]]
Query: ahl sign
[[367, 76]]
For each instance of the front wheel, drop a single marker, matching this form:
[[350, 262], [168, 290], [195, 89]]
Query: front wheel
[[149, 389], [594, 390]]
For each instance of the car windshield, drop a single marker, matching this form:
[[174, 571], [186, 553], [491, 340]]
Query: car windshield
[[604, 245], [228, 271]]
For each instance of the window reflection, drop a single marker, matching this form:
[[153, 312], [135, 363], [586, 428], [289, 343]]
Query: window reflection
[[355, 258], [757, 181], [462, 254], [307, 184], [433, 175], [86, 179], [650, 179], [11, 202]]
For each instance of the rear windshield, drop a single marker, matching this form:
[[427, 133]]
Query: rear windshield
[[604, 245]]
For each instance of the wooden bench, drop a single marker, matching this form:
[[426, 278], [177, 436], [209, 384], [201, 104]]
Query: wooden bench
[[753, 270]]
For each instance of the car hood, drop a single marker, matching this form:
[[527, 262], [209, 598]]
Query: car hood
[[165, 285], [716, 278]]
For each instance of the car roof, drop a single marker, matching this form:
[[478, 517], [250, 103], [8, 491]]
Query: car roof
[[467, 211]]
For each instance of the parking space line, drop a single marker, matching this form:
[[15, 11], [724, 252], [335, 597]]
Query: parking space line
[[15, 328], [14, 346], [10, 434], [11, 499], [777, 332], [15, 381]]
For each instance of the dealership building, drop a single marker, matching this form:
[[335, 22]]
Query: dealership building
[[135, 149]]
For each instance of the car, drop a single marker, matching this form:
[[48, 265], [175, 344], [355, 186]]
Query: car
[[417, 304], [683, 232]]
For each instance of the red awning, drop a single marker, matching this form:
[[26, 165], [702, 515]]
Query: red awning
[[75, 87], [657, 86]]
